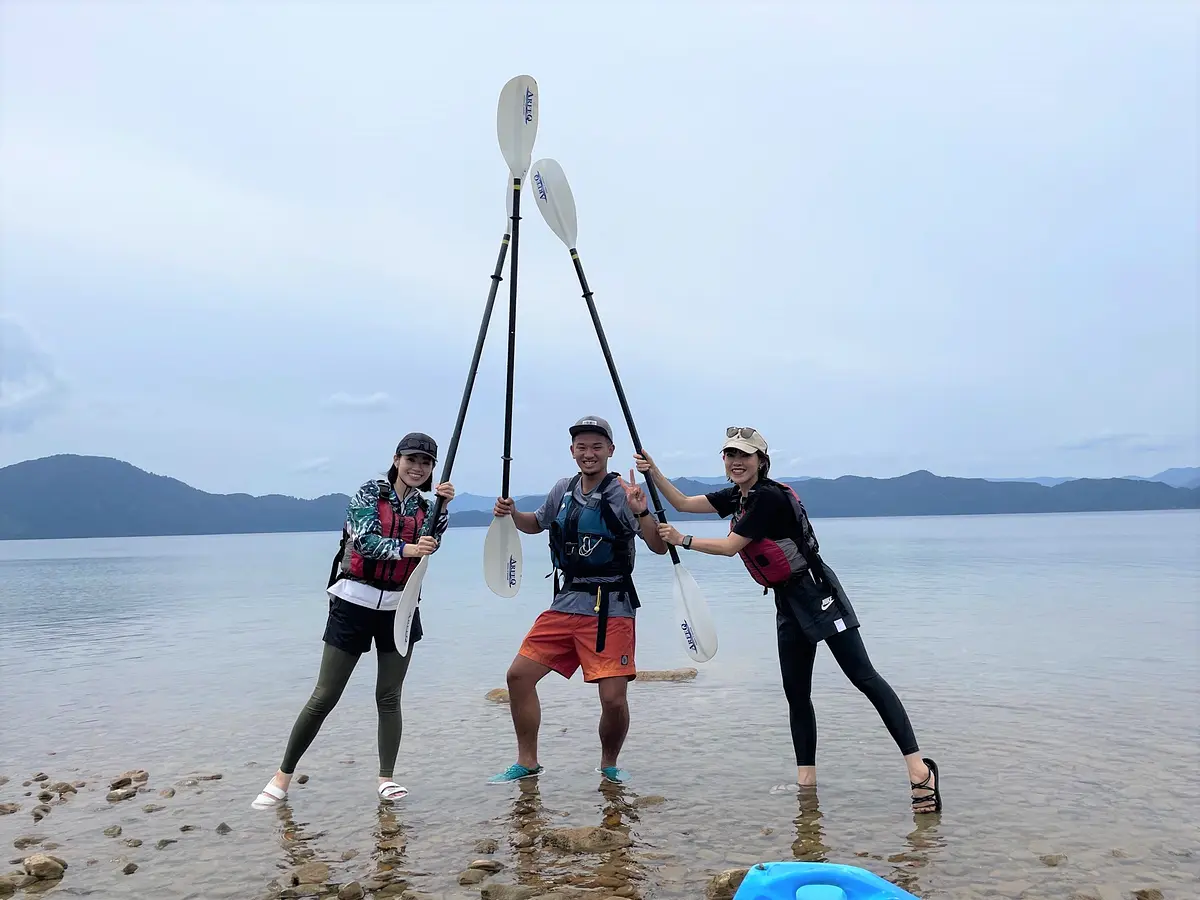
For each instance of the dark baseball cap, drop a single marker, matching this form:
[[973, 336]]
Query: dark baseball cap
[[592, 424], [416, 442]]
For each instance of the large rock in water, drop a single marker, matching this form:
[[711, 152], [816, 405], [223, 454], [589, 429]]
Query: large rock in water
[[586, 839], [666, 675], [725, 885], [311, 873], [44, 866]]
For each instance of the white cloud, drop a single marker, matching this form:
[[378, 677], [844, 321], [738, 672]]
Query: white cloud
[[315, 466], [30, 386], [377, 400]]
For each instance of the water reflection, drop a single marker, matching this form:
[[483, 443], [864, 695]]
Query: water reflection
[[809, 845], [550, 858], [922, 843], [527, 822]]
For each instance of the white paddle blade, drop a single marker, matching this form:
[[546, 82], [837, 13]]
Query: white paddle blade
[[517, 122], [407, 609], [502, 562], [693, 618], [555, 200]]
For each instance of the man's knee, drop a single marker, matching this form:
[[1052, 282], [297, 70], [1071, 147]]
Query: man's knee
[[523, 674], [613, 697]]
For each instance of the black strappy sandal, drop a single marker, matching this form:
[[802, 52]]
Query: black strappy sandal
[[924, 785]]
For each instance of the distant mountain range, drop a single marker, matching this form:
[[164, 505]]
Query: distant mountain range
[[70, 496]]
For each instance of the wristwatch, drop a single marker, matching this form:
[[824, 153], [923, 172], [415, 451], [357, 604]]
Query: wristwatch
[[644, 512], [687, 542]]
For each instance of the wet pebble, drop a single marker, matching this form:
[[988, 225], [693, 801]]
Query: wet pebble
[[189, 827], [724, 885], [167, 793], [112, 831], [165, 842], [25, 841], [152, 808], [486, 846], [130, 868], [133, 842], [116, 795], [7, 809], [351, 891], [223, 829], [41, 776], [303, 779], [1053, 859], [508, 892], [472, 876], [40, 812]]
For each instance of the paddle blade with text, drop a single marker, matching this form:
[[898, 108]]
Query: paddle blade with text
[[692, 617], [502, 562], [517, 122], [407, 610], [555, 200]]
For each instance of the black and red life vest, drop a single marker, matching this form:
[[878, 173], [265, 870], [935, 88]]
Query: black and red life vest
[[384, 574], [773, 562]]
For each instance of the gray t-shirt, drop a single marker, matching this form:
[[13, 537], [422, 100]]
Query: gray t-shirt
[[582, 602]]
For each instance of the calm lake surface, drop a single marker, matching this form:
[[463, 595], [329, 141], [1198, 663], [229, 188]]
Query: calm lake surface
[[1049, 663]]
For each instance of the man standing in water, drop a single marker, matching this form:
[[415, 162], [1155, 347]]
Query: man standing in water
[[592, 518]]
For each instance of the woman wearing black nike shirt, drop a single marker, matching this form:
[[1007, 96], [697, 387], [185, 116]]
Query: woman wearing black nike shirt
[[771, 531]]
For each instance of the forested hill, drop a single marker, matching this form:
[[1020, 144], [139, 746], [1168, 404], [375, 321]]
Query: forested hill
[[71, 496]]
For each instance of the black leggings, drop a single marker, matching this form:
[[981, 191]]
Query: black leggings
[[796, 656]]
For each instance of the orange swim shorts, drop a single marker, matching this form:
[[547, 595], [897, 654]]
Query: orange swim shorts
[[567, 641]]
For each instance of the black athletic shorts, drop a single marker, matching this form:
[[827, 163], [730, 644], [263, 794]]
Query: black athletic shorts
[[352, 627], [818, 616]]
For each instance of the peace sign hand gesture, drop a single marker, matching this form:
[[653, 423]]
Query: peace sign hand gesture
[[634, 494]]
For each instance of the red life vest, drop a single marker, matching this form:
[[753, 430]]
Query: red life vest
[[774, 561], [387, 574]]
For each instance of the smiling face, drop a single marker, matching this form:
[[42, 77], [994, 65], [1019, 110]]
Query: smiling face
[[741, 467], [591, 452], [414, 469]]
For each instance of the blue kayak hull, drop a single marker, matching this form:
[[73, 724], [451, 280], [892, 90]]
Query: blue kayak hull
[[815, 881]]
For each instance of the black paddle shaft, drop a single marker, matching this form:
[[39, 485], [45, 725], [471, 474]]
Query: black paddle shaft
[[497, 277], [612, 370], [512, 333]]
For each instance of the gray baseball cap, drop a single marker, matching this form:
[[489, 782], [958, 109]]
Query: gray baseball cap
[[593, 424]]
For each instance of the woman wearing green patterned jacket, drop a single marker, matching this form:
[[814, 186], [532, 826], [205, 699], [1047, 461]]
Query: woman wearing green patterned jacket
[[387, 531]]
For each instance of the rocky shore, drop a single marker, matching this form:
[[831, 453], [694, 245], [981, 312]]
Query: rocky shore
[[532, 860], [131, 828]]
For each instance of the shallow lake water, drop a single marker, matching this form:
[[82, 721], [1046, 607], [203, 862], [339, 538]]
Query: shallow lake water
[[1050, 664]]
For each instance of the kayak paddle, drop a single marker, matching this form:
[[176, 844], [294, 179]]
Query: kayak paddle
[[516, 129], [412, 588], [557, 206]]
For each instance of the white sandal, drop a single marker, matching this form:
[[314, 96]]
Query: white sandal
[[389, 791], [271, 795]]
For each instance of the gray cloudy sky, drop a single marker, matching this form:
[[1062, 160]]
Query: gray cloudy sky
[[248, 245]]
